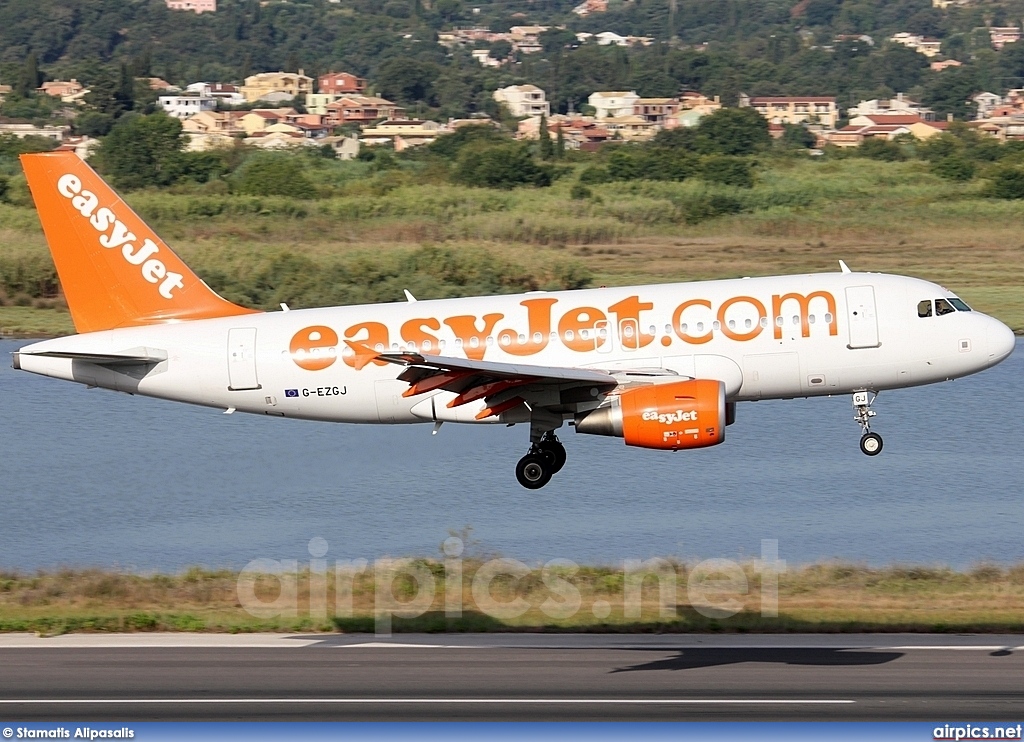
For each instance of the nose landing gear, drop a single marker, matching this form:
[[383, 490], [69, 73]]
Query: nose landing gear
[[545, 458], [870, 443]]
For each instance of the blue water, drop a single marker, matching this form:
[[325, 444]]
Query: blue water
[[97, 478]]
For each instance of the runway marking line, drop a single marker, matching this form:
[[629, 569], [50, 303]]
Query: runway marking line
[[603, 701]]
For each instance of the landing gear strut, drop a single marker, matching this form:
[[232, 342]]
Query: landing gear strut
[[870, 443], [545, 458]]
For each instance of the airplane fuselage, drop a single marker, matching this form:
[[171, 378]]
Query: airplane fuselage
[[764, 338]]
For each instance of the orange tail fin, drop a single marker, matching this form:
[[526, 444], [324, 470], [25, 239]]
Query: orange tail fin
[[114, 269]]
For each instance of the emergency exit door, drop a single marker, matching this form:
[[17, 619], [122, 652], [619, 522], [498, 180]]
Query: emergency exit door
[[242, 359], [861, 317]]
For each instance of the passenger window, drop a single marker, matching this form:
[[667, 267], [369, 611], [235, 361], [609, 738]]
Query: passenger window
[[959, 304], [924, 308], [943, 307]]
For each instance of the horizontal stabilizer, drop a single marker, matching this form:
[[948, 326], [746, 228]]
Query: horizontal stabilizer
[[136, 357]]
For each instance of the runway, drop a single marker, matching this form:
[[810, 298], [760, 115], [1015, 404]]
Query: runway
[[542, 677]]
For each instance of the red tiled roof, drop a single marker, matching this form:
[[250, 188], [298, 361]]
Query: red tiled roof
[[892, 119]]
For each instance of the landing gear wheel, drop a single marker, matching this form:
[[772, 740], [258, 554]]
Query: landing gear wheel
[[555, 451], [871, 444], [534, 470]]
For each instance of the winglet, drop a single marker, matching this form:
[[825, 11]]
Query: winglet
[[844, 267], [364, 355]]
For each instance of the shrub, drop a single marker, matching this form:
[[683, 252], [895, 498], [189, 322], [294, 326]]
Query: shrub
[[274, 174], [953, 167], [728, 171], [580, 192], [1006, 182], [595, 174], [880, 149], [502, 166]]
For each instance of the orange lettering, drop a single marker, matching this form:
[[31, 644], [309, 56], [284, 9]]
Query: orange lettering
[[677, 317], [741, 336], [314, 348], [473, 340], [376, 334], [413, 332], [578, 321], [538, 330], [805, 303], [629, 309]]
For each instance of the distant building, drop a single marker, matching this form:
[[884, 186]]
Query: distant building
[[922, 44], [945, 65], [613, 104], [794, 110], [229, 94], [360, 109], [183, 106], [900, 105], [258, 87], [340, 83], [56, 133], [1003, 35], [986, 102], [655, 110], [886, 127], [524, 100], [591, 6], [61, 88], [196, 6]]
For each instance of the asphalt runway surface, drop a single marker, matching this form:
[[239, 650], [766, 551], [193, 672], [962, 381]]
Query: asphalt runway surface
[[539, 677]]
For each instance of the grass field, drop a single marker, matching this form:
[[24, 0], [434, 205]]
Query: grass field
[[369, 241], [829, 597]]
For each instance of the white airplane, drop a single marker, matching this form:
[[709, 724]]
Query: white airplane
[[660, 366]]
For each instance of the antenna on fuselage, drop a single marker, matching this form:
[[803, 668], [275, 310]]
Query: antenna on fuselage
[[844, 267]]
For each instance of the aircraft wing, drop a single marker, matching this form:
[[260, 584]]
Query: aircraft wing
[[502, 386]]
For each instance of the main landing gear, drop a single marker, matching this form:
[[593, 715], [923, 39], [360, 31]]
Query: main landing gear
[[870, 443], [545, 458]]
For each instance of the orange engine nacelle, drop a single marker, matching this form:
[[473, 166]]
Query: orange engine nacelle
[[683, 414]]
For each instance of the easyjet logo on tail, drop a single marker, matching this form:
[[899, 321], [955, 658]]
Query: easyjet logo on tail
[[113, 234]]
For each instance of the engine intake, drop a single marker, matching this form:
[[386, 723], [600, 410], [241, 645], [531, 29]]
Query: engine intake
[[683, 414]]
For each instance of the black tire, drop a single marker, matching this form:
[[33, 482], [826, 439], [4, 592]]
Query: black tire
[[534, 470], [871, 444], [555, 452]]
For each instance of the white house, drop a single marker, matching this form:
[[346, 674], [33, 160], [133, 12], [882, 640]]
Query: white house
[[610, 38], [986, 102], [613, 104], [901, 105], [183, 106], [524, 100]]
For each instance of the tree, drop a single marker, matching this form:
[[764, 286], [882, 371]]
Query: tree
[[143, 151], [1006, 182], [732, 131], [274, 174], [407, 80], [500, 49], [503, 166], [797, 137], [953, 168], [559, 144], [727, 171], [547, 149], [30, 77], [875, 148]]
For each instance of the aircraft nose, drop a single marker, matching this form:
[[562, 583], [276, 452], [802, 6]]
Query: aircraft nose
[[1001, 341]]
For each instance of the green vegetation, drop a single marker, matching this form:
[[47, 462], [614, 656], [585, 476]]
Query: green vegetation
[[829, 597], [374, 227]]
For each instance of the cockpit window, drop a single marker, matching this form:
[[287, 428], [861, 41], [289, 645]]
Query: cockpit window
[[943, 307], [924, 308], [959, 304]]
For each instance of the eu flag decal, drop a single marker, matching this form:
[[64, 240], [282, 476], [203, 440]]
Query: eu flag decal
[[291, 392]]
